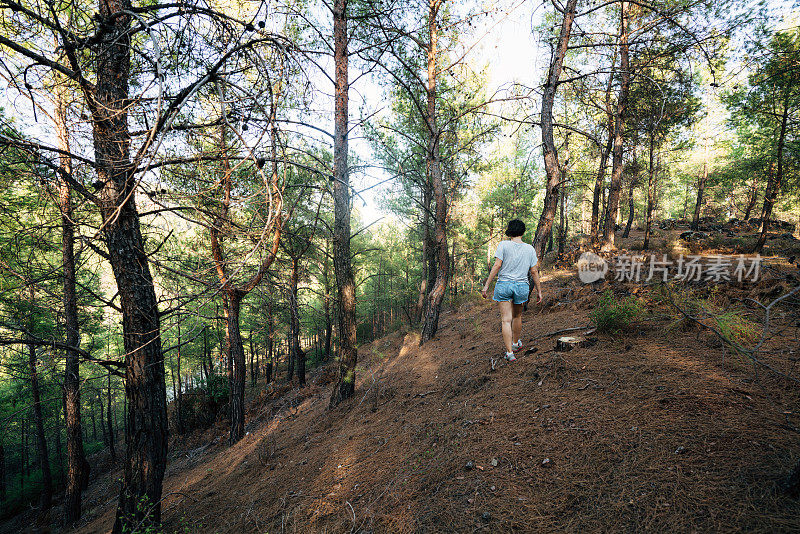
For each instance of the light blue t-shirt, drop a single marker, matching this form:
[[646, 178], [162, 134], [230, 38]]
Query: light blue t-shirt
[[517, 259]]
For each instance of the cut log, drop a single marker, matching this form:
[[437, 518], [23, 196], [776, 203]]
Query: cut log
[[567, 343]]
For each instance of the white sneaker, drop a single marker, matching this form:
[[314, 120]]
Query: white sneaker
[[510, 357], [517, 346]]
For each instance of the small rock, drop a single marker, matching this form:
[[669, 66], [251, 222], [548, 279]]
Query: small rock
[[486, 516], [680, 450], [492, 488], [470, 465], [546, 462], [494, 464]]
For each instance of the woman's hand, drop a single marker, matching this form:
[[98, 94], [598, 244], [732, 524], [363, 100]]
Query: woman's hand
[[485, 291], [539, 299]]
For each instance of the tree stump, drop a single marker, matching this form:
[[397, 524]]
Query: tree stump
[[567, 343]]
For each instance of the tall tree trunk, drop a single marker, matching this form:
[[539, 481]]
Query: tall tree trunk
[[109, 419], [252, 360], [774, 183], [701, 187], [297, 355], [59, 453], [238, 367], [145, 388], [179, 396], [103, 427], [551, 165], [752, 197], [619, 130], [651, 192], [77, 465], [204, 356], [270, 340], [631, 206], [348, 355], [46, 496], [428, 250], [433, 302], [599, 184]]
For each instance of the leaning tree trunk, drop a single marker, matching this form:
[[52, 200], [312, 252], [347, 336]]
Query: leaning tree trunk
[[145, 388], [619, 130], [551, 165], [774, 183], [433, 301], [77, 465], [348, 355]]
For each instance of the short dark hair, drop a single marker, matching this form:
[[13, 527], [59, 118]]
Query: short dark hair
[[515, 228]]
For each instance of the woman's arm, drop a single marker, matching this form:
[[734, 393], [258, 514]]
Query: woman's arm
[[536, 283], [495, 268]]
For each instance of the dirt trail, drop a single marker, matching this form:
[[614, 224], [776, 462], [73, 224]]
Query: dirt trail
[[642, 432]]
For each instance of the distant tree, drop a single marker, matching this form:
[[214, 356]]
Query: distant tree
[[770, 106]]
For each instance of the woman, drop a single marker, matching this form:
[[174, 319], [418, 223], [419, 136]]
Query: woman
[[514, 260]]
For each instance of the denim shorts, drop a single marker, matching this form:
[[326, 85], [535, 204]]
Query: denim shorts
[[516, 291]]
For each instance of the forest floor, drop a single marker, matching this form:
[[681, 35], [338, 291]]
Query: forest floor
[[655, 429]]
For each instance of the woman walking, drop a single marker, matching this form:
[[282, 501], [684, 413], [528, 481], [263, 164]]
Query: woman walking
[[514, 259]]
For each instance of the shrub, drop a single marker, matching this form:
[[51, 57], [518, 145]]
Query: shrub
[[615, 315]]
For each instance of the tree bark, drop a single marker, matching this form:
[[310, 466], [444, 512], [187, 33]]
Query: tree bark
[[145, 388], [551, 165], [433, 302], [346, 382], [619, 130], [77, 465]]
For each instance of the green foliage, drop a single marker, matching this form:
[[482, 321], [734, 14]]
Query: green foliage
[[737, 328], [613, 315]]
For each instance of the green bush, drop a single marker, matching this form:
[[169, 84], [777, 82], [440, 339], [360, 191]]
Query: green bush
[[615, 315]]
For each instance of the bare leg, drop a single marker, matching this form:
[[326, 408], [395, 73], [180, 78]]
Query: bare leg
[[506, 317], [516, 322]]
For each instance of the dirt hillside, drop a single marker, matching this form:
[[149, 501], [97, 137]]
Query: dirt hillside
[[650, 431]]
